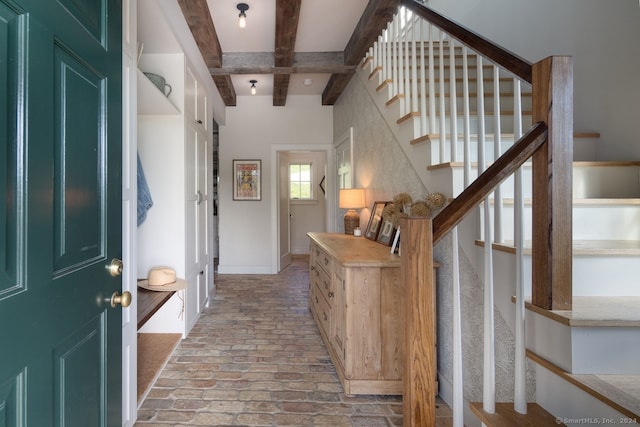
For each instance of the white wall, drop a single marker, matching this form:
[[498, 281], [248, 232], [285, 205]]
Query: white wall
[[251, 128], [602, 37]]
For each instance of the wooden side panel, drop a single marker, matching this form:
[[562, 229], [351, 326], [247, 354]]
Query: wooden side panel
[[392, 305], [363, 324], [420, 358]]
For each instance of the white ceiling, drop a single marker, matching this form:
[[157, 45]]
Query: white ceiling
[[324, 26]]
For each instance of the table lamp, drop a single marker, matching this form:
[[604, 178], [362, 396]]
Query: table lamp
[[351, 199]]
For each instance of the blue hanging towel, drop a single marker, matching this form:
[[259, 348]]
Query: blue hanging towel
[[144, 195]]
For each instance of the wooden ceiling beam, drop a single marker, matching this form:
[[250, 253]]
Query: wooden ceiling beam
[[263, 63], [374, 19], [287, 17], [198, 17]]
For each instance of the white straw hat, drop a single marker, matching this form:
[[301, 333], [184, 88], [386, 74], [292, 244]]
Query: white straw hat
[[162, 279]]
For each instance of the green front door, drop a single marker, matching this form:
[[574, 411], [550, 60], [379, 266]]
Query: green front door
[[60, 218]]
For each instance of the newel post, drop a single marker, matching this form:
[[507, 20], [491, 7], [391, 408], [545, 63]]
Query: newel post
[[552, 84], [416, 274]]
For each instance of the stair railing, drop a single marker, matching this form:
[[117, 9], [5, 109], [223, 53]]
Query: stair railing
[[405, 58]]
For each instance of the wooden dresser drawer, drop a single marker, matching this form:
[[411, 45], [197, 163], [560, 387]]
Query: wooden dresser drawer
[[323, 283], [322, 259], [322, 312]]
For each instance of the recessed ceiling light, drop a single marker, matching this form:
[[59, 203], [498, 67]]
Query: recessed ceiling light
[[307, 82]]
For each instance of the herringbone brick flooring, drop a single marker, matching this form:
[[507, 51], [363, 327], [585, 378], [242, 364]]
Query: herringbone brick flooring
[[255, 358]]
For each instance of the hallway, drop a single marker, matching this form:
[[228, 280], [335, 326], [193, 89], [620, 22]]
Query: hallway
[[255, 358]]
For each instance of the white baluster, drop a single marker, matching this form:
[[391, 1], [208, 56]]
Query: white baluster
[[432, 85], [465, 114], [401, 62], [423, 87], [458, 384], [520, 386], [443, 95], [497, 194], [489, 377], [394, 57], [453, 102], [414, 66], [388, 72]]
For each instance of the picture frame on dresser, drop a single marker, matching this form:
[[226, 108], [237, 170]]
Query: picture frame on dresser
[[247, 180], [387, 233], [375, 220]]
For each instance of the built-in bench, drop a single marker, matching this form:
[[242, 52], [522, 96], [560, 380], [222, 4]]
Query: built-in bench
[[149, 302]]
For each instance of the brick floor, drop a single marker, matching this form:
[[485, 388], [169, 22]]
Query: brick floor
[[255, 358]]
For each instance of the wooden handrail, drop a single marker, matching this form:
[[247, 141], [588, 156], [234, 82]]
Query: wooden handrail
[[506, 59], [500, 170]]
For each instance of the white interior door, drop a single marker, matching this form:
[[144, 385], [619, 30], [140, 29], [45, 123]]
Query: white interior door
[[284, 211]]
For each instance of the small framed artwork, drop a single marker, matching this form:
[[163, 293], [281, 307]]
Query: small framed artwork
[[246, 180], [375, 220], [387, 233]]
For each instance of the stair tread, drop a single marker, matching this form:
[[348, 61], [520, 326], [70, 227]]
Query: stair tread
[[576, 164], [621, 392], [507, 416], [596, 311], [580, 247]]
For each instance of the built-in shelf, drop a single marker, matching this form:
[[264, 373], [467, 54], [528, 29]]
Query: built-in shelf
[[149, 302], [151, 101]]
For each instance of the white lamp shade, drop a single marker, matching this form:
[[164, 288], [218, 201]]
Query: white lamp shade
[[352, 198]]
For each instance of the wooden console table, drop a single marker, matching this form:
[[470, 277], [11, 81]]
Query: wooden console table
[[357, 300]]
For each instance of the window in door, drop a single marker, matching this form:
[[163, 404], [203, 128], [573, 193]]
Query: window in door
[[300, 187]]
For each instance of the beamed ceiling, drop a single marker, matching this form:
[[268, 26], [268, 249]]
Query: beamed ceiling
[[285, 43]]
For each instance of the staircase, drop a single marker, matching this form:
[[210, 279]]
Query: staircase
[[584, 362]]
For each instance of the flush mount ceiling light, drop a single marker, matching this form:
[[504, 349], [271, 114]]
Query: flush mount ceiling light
[[253, 86], [242, 7]]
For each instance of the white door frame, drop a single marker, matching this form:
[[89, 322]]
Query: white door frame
[[275, 208], [129, 213]]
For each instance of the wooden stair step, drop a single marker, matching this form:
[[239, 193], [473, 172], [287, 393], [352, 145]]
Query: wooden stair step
[[506, 416], [596, 311], [580, 247], [620, 392]]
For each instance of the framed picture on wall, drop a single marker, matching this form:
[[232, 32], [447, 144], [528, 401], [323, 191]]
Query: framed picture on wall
[[247, 180], [375, 221]]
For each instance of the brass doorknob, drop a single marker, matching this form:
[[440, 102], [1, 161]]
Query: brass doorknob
[[115, 267], [124, 300]]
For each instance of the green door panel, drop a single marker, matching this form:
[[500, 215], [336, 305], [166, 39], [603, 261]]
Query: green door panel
[[60, 218]]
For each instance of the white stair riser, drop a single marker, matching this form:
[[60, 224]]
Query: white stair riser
[[582, 350], [589, 182], [590, 222], [572, 405], [599, 275]]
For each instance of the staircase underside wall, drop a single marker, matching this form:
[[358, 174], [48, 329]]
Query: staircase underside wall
[[382, 167]]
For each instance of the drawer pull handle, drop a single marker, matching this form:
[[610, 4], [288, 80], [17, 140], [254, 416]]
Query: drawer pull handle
[[326, 261], [317, 300], [324, 315], [330, 294]]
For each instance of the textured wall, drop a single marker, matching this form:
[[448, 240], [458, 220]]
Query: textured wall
[[380, 165], [383, 169]]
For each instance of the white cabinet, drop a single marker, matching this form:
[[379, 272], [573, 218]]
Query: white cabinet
[[176, 155], [195, 108]]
